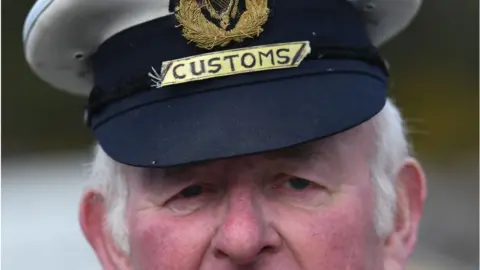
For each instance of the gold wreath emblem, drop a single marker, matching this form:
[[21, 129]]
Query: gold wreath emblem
[[207, 35]]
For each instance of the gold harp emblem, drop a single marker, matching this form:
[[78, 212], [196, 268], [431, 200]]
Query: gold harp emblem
[[207, 35]]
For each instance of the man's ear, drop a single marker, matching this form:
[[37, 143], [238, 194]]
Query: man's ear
[[92, 221], [411, 194]]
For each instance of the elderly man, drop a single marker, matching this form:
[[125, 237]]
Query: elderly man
[[237, 134]]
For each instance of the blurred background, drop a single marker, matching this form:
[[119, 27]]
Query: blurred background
[[434, 65]]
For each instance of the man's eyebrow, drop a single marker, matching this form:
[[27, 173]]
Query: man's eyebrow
[[151, 177], [157, 179], [167, 175]]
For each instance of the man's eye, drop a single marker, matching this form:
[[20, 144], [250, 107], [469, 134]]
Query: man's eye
[[192, 198], [298, 183], [300, 192], [191, 191]]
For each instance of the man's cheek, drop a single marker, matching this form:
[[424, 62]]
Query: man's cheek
[[158, 242], [349, 233], [333, 238], [148, 239]]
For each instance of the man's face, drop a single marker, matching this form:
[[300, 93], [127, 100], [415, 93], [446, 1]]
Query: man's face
[[304, 208], [309, 207]]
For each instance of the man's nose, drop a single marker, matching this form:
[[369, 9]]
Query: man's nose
[[244, 234]]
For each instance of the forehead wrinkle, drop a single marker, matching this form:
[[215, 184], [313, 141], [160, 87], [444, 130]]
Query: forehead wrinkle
[[145, 178], [179, 174]]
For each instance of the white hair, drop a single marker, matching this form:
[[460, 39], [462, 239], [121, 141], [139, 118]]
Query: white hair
[[391, 149], [107, 178]]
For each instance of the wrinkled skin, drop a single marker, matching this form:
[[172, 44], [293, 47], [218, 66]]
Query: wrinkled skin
[[308, 207]]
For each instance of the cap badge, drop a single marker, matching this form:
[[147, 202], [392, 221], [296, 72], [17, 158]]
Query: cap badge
[[210, 23], [230, 62]]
